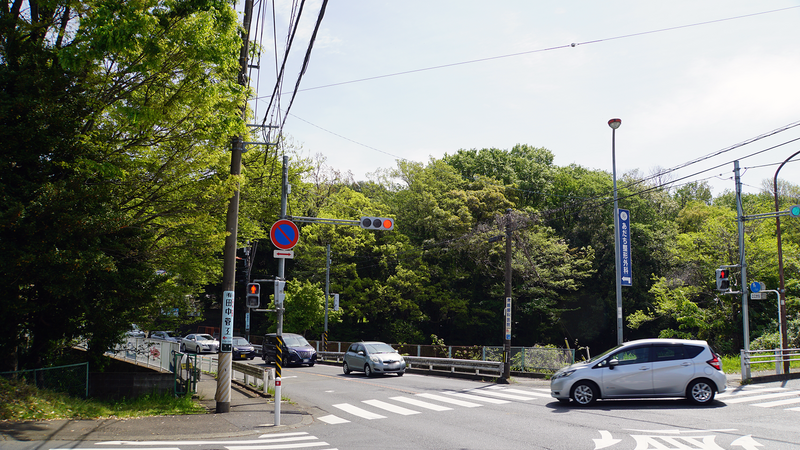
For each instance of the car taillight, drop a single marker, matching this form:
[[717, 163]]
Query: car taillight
[[715, 362]]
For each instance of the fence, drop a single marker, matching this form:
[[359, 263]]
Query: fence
[[523, 359], [777, 356], [72, 379]]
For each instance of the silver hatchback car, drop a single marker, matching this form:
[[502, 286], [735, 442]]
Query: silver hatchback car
[[644, 368], [373, 358]]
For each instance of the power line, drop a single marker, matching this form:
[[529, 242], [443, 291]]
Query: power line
[[529, 52]]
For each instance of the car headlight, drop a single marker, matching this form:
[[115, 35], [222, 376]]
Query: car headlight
[[563, 374], [402, 361], [374, 358]]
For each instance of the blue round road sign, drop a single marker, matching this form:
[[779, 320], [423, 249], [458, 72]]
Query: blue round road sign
[[284, 234]]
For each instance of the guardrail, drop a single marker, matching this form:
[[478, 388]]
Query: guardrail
[[433, 365], [777, 356]]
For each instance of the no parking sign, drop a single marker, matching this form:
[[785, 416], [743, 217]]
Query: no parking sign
[[284, 234]]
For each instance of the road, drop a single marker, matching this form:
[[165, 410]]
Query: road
[[355, 412], [425, 412]]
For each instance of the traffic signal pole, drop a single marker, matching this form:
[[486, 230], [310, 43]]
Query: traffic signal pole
[[223, 393]]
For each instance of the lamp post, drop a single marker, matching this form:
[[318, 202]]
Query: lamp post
[[614, 124], [781, 290]]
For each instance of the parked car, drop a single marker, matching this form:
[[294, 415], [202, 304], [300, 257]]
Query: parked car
[[242, 349], [135, 332], [644, 368], [169, 336], [296, 350], [373, 358], [199, 343]]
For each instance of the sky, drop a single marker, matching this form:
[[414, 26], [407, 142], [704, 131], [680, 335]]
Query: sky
[[691, 80]]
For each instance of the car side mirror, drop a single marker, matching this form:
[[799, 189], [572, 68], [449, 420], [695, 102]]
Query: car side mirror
[[613, 363], [361, 352]]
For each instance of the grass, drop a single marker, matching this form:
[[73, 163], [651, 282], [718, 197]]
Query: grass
[[21, 401], [733, 364]]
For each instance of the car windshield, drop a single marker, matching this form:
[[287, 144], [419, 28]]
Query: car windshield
[[603, 355], [295, 341], [170, 334], [240, 341], [379, 347], [204, 337]]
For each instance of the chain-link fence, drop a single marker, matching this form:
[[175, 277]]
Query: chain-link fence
[[72, 379]]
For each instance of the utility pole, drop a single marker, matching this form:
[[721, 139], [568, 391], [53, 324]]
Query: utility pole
[[507, 341], [742, 261], [223, 393]]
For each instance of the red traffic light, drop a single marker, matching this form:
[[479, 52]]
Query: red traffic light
[[253, 288], [377, 223], [723, 273]]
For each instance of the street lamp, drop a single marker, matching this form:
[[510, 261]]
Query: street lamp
[[781, 289], [614, 124]]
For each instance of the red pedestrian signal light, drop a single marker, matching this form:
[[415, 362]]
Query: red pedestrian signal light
[[723, 279], [377, 223], [253, 295]]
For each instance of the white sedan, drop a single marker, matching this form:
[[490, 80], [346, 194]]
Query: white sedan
[[199, 343]]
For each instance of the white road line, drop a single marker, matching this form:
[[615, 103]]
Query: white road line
[[792, 409], [453, 401], [356, 411], [332, 420], [421, 404], [390, 407], [787, 401], [543, 393], [759, 397], [497, 394], [276, 446], [749, 391], [264, 438], [478, 398]]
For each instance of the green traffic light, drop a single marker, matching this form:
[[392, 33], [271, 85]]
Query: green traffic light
[[794, 211]]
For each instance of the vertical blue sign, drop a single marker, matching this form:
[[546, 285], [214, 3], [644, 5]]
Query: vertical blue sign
[[626, 269]]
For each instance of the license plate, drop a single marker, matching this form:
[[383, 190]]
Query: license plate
[[306, 360], [242, 355]]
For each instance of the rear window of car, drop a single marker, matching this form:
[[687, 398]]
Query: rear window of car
[[693, 350], [668, 352]]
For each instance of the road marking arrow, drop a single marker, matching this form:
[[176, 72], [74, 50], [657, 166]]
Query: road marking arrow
[[605, 440], [747, 442]]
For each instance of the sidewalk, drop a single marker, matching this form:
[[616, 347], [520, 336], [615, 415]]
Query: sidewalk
[[250, 413]]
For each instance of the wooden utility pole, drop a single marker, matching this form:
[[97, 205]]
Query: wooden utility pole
[[223, 394]]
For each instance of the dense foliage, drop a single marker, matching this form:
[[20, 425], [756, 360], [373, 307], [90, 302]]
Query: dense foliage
[[115, 120]]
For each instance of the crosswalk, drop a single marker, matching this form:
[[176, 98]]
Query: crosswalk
[[407, 405], [763, 397]]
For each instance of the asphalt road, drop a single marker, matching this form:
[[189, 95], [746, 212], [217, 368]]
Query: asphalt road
[[425, 412], [746, 417]]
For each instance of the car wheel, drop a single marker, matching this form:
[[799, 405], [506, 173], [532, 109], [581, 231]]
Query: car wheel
[[400, 374], [584, 393], [700, 392], [367, 370], [311, 364], [183, 348], [345, 368]]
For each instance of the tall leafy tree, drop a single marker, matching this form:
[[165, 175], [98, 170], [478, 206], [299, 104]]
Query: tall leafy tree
[[115, 120]]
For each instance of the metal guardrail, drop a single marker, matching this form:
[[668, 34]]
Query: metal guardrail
[[449, 365], [777, 356]]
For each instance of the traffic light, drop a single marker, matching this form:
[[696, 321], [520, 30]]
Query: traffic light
[[377, 223], [723, 279], [794, 211], [253, 295], [280, 294]]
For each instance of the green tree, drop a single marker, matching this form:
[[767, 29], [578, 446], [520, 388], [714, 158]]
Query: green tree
[[115, 124]]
